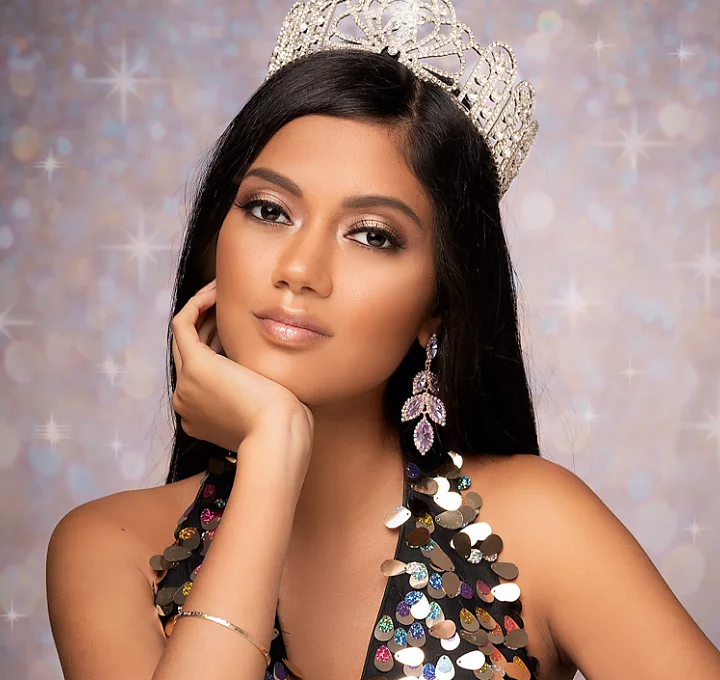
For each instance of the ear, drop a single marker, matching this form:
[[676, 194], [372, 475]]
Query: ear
[[432, 325]]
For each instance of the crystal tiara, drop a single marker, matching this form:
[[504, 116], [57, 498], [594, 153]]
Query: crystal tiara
[[424, 35]]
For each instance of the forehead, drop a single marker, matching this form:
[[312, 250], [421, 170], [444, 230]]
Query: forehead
[[339, 156]]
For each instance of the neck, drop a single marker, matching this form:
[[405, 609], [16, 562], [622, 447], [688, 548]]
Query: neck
[[356, 468]]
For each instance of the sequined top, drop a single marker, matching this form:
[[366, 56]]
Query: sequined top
[[449, 607]]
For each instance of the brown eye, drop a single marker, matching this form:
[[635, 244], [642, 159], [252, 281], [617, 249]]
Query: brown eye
[[375, 233], [267, 211]]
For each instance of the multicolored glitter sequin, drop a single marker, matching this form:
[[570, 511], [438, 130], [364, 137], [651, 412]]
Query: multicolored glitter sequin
[[450, 605]]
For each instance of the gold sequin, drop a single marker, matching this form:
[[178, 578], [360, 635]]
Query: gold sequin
[[468, 620], [418, 537], [426, 520], [473, 499], [451, 584], [397, 517], [506, 570], [492, 545], [444, 630], [462, 544], [451, 519], [393, 567], [427, 486]]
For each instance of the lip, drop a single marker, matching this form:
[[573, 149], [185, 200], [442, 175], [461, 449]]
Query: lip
[[290, 327]]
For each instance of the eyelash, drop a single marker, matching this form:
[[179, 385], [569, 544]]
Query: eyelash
[[397, 242]]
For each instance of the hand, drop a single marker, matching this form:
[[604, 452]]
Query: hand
[[219, 400]]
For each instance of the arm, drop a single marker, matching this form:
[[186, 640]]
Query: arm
[[608, 607], [101, 606]]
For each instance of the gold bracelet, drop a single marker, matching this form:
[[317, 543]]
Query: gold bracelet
[[231, 626]]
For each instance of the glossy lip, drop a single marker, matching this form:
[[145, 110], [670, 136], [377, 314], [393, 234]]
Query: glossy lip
[[288, 335], [293, 318], [288, 327]]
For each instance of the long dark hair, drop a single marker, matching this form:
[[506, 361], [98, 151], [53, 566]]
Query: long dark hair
[[482, 378]]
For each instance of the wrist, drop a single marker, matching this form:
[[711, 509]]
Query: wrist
[[290, 426], [279, 454]]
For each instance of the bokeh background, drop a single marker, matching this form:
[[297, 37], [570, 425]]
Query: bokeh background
[[106, 109]]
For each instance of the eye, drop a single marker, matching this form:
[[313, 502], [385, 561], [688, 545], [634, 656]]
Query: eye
[[263, 210], [379, 233], [269, 211]]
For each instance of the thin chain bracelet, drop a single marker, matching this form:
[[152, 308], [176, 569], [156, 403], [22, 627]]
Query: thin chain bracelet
[[231, 626]]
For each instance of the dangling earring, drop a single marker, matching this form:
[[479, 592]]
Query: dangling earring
[[425, 402]]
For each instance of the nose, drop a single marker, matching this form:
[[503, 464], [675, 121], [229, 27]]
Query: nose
[[304, 260]]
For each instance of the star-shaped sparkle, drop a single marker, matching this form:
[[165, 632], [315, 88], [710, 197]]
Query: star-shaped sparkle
[[589, 415], [141, 248], [634, 143], [599, 46], [574, 302], [12, 615], [682, 54], [116, 446], [124, 81], [711, 425], [630, 372], [111, 369], [707, 265], [50, 164], [695, 529], [52, 431], [7, 321]]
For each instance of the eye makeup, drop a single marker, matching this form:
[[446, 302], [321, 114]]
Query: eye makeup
[[395, 239]]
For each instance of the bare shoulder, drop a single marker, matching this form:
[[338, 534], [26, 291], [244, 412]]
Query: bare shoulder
[[137, 523], [579, 566], [516, 492], [546, 513], [529, 487]]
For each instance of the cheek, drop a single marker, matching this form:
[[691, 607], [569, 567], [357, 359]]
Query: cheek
[[238, 261], [240, 275], [377, 319]]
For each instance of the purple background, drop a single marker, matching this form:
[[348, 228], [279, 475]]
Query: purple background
[[613, 222]]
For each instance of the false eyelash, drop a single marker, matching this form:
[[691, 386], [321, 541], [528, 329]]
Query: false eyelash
[[396, 240]]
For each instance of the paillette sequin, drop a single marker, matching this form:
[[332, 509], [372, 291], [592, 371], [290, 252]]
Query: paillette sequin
[[450, 607]]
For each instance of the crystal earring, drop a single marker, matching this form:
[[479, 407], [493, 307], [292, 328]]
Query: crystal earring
[[424, 402]]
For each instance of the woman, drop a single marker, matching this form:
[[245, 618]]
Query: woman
[[357, 200]]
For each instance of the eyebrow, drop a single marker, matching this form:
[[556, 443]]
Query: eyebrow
[[368, 201]]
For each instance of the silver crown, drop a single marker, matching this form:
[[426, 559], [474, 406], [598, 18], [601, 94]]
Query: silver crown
[[425, 36]]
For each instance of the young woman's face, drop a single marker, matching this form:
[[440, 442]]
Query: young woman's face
[[330, 221]]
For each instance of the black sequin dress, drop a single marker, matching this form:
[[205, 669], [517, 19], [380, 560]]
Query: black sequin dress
[[450, 606]]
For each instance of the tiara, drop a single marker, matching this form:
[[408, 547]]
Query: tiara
[[425, 36]]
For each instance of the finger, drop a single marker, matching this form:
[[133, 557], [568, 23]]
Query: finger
[[185, 321], [176, 355], [207, 286], [215, 343], [207, 326]]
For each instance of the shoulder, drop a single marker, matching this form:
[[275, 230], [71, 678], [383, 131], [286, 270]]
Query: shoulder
[[583, 569], [558, 509], [550, 512], [533, 485], [528, 501], [127, 525], [523, 467]]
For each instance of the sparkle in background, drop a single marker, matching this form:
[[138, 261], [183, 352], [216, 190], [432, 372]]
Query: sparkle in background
[[613, 223]]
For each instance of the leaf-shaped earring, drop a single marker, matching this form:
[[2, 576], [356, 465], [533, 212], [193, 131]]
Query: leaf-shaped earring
[[425, 402]]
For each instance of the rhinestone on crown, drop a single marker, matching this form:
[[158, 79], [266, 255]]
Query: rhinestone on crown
[[425, 36]]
